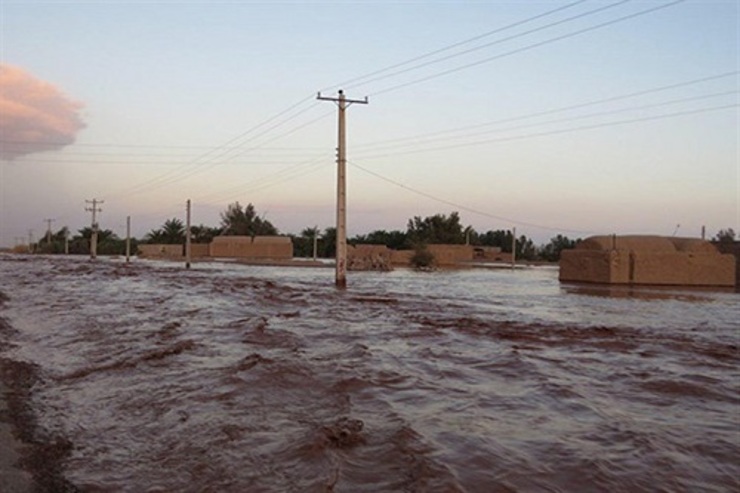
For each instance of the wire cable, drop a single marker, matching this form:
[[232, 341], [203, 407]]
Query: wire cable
[[493, 43], [455, 45], [464, 207], [558, 132], [437, 139], [526, 48], [560, 109]]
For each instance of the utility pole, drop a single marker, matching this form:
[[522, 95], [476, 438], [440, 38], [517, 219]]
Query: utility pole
[[128, 239], [187, 235], [66, 240], [94, 236], [48, 230], [513, 248], [341, 257], [315, 242], [30, 241]]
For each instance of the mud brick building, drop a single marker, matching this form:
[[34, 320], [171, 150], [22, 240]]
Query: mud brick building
[[647, 260]]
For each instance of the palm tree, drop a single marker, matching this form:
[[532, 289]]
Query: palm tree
[[173, 231], [238, 220]]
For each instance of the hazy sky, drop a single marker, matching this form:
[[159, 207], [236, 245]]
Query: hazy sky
[[572, 117]]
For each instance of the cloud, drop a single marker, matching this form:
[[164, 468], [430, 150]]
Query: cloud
[[35, 116]]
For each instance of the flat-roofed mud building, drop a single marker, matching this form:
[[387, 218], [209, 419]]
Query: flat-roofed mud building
[[242, 247], [648, 260]]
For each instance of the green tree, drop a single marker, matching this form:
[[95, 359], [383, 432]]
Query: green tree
[[303, 243], [435, 229], [551, 251], [328, 247], [53, 245], [725, 236], [108, 243], [244, 221], [155, 236], [397, 240], [422, 259], [173, 232], [203, 234]]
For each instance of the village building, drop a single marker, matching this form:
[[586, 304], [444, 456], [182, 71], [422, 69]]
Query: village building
[[647, 260], [239, 247]]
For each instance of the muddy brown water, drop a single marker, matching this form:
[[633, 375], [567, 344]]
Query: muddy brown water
[[229, 378]]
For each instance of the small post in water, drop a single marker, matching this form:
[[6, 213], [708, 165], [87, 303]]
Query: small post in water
[[128, 239], [187, 236], [513, 248]]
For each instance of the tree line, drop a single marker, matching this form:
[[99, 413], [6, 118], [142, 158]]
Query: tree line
[[244, 220]]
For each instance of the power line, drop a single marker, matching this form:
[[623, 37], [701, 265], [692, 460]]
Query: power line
[[558, 132], [464, 207], [527, 48], [455, 45], [498, 41], [199, 168], [169, 176], [280, 176], [437, 138], [561, 109]]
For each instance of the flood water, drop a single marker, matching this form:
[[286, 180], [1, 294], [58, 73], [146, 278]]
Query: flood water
[[232, 378]]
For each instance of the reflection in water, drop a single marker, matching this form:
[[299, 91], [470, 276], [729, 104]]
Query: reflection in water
[[232, 378], [691, 294]]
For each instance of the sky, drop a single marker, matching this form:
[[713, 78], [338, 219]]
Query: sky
[[555, 117]]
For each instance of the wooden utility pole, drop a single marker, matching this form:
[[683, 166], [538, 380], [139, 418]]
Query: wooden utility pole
[[128, 239], [513, 248], [341, 256], [30, 241], [94, 236], [187, 235], [66, 240]]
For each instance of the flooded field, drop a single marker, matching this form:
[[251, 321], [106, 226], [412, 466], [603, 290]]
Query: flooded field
[[231, 378]]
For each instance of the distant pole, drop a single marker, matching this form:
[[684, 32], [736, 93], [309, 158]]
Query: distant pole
[[30, 241], [703, 232], [66, 240], [341, 256], [48, 230], [513, 248], [94, 236], [187, 235], [128, 239], [315, 242]]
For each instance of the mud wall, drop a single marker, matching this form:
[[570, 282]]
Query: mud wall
[[369, 257], [161, 251], [654, 261], [444, 255], [197, 250], [268, 247], [732, 248]]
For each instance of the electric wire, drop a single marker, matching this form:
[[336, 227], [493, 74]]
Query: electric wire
[[195, 163], [492, 43], [464, 207], [455, 45], [526, 48], [198, 168], [278, 175], [438, 139], [561, 109], [558, 131]]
